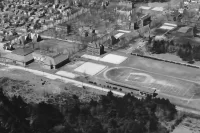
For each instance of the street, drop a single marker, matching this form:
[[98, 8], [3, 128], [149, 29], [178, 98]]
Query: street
[[79, 83]]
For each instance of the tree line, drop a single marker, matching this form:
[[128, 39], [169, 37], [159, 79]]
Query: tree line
[[186, 51], [110, 114]]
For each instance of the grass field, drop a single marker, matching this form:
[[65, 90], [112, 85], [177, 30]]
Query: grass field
[[32, 88], [146, 81], [162, 68], [59, 46]]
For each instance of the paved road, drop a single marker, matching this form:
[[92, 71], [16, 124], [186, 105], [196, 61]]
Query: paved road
[[66, 80]]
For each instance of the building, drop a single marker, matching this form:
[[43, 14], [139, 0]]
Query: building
[[50, 60], [186, 31], [95, 49], [126, 4], [21, 56]]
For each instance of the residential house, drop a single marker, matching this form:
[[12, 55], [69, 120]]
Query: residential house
[[35, 37], [2, 38], [67, 12], [86, 31], [55, 6]]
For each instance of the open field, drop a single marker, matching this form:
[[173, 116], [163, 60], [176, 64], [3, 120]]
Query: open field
[[90, 68], [146, 81], [58, 43], [162, 68], [188, 125], [172, 57], [60, 46], [180, 84], [113, 58], [35, 88]]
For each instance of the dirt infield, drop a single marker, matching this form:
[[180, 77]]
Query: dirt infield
[[146, 81]]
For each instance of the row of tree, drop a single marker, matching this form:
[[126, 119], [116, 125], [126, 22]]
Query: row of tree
[[110, 114], [186, 51]]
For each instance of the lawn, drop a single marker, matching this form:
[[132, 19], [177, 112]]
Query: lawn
[[167, 85], [188, 125], [60, 46], [164, 68], [35, 88]]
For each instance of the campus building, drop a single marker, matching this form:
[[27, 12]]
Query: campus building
[[21, 56], [50, 60], [95, 49]]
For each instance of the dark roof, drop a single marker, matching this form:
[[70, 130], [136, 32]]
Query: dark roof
[[184, 29], [158, 31], [22, 51]]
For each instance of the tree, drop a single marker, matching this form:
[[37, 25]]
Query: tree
[[181, 4], [13, 114], [44, 117]]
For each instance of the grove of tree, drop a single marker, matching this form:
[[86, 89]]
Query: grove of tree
[[186, 51], [110, 114]]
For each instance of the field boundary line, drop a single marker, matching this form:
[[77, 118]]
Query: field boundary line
[[157, 74], [187, 90]]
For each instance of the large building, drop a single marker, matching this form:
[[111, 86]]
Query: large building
[[21, 56], [50, 60], [95, 49]]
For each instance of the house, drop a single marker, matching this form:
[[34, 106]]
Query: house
[[126, 4], [2, 38], [30, 13], [50, 60], [35, 37], [86, 31], [21, 56]]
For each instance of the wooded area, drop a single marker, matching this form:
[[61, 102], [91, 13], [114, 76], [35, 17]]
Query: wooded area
[[186, 51], [110, 114]]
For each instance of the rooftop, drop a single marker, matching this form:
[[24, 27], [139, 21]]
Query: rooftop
[[50, 54], [184, 29], [158, 9], [145, 7], [22, 51]]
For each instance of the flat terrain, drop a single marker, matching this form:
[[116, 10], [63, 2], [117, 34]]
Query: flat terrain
[[171, 57], [188, 125], [34, 88], [180, 84], [58, 45], [145, 80], [163, 68]]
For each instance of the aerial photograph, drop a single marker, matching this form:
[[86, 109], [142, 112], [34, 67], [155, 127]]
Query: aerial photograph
[[99, 66]]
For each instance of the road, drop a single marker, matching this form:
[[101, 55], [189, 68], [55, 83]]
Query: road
[[66, 80]]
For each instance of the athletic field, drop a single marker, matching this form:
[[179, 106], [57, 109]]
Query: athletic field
[[146, 81]]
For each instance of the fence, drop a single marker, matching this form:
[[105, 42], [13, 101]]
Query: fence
[[174, 62]]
